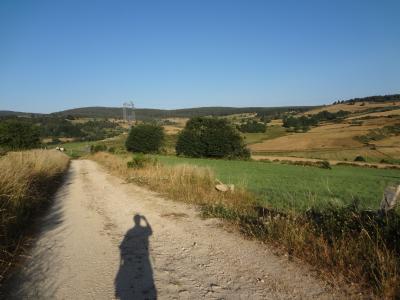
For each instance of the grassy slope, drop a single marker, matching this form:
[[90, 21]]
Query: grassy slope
[[288, 186], [337, 141], [272, 132]]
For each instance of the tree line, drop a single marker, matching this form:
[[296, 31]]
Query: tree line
[[384, 98], [304, 123], [201, 137]]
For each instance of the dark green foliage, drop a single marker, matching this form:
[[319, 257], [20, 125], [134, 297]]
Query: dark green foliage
[[336, 222], [305, 122], [98, 148], [379, 134], [111, 149], [385, 98], [16, 135], [325, 165], [140, 161], [359, 158], [211, 137], [57, 127], [252, 127], [145, 138]]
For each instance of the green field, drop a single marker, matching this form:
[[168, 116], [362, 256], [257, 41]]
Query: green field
[[298, 187], [78, 149], [272, 132]]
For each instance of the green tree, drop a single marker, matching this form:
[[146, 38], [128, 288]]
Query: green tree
[[17, 135], [145, 138], [211, 137]]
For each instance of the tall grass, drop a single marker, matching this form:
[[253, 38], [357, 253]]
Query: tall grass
[[187, 183], [360, 245], [27, 179]]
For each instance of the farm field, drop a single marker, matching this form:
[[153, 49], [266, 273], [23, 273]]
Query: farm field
[[298, 187], [340, 140], [272, 132], [356, 108]]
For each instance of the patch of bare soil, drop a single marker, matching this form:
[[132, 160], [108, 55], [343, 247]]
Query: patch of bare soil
[[104, 239]]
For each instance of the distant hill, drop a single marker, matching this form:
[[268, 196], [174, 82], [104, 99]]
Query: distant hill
[[6, 113], [385, 98], [146, 113]]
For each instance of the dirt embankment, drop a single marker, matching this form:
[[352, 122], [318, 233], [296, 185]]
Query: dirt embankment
[[104, 239]]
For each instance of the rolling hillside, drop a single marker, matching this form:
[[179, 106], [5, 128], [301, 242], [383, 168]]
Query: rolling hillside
[[146, 113], [369, 130]]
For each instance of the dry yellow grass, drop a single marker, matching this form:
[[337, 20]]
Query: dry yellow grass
[[351, 108], [187, 183], [328, 136], [176, 128], [394, 112], [172, 129], [322, 137], [26, 179]]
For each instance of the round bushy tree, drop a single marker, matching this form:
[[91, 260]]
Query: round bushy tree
[[18, 135], [211, 137], [145, 138]]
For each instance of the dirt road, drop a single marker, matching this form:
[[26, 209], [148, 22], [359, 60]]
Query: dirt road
[[104, 239]]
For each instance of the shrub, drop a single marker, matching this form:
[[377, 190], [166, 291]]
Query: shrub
[[145, 138], [359, 158], [252, 127], [111, 149], [325, 165], [17, 135], [140, 161], [211, 137], [98, 148]]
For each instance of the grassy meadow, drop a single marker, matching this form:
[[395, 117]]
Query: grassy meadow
[[298, 187], [272, 132]]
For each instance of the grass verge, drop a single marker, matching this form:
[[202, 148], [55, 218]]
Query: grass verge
[[361, 245], [27, 180]]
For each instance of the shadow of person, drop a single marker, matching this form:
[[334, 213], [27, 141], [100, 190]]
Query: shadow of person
[[134, 279]]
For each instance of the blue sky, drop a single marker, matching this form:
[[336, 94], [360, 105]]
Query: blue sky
[[58, 54]]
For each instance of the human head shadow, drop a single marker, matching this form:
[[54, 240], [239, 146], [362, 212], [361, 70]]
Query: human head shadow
[[134, 279]]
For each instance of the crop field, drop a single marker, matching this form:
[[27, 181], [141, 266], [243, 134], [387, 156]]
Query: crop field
[[272, 132], [357, 107], [298, 187]]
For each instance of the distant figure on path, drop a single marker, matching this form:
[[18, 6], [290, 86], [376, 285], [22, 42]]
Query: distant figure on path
[[135, 275]]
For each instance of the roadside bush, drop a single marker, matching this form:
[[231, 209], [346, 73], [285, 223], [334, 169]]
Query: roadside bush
[[17, 135], [98, 148], [360, 158], [211, 137], [140, 161], [252, 127], [145, 138], [325, 164], [111, 149]]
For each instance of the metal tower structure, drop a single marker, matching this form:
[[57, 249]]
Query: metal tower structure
[[128, 112]]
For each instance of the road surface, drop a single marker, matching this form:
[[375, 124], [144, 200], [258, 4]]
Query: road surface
[[105, 239]]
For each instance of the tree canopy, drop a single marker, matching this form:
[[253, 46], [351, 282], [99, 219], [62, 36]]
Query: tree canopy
[[211, 137], [15, 135], [145, 138]]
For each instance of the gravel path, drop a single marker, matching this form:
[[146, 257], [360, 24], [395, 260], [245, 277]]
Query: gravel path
[[104, 239]]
